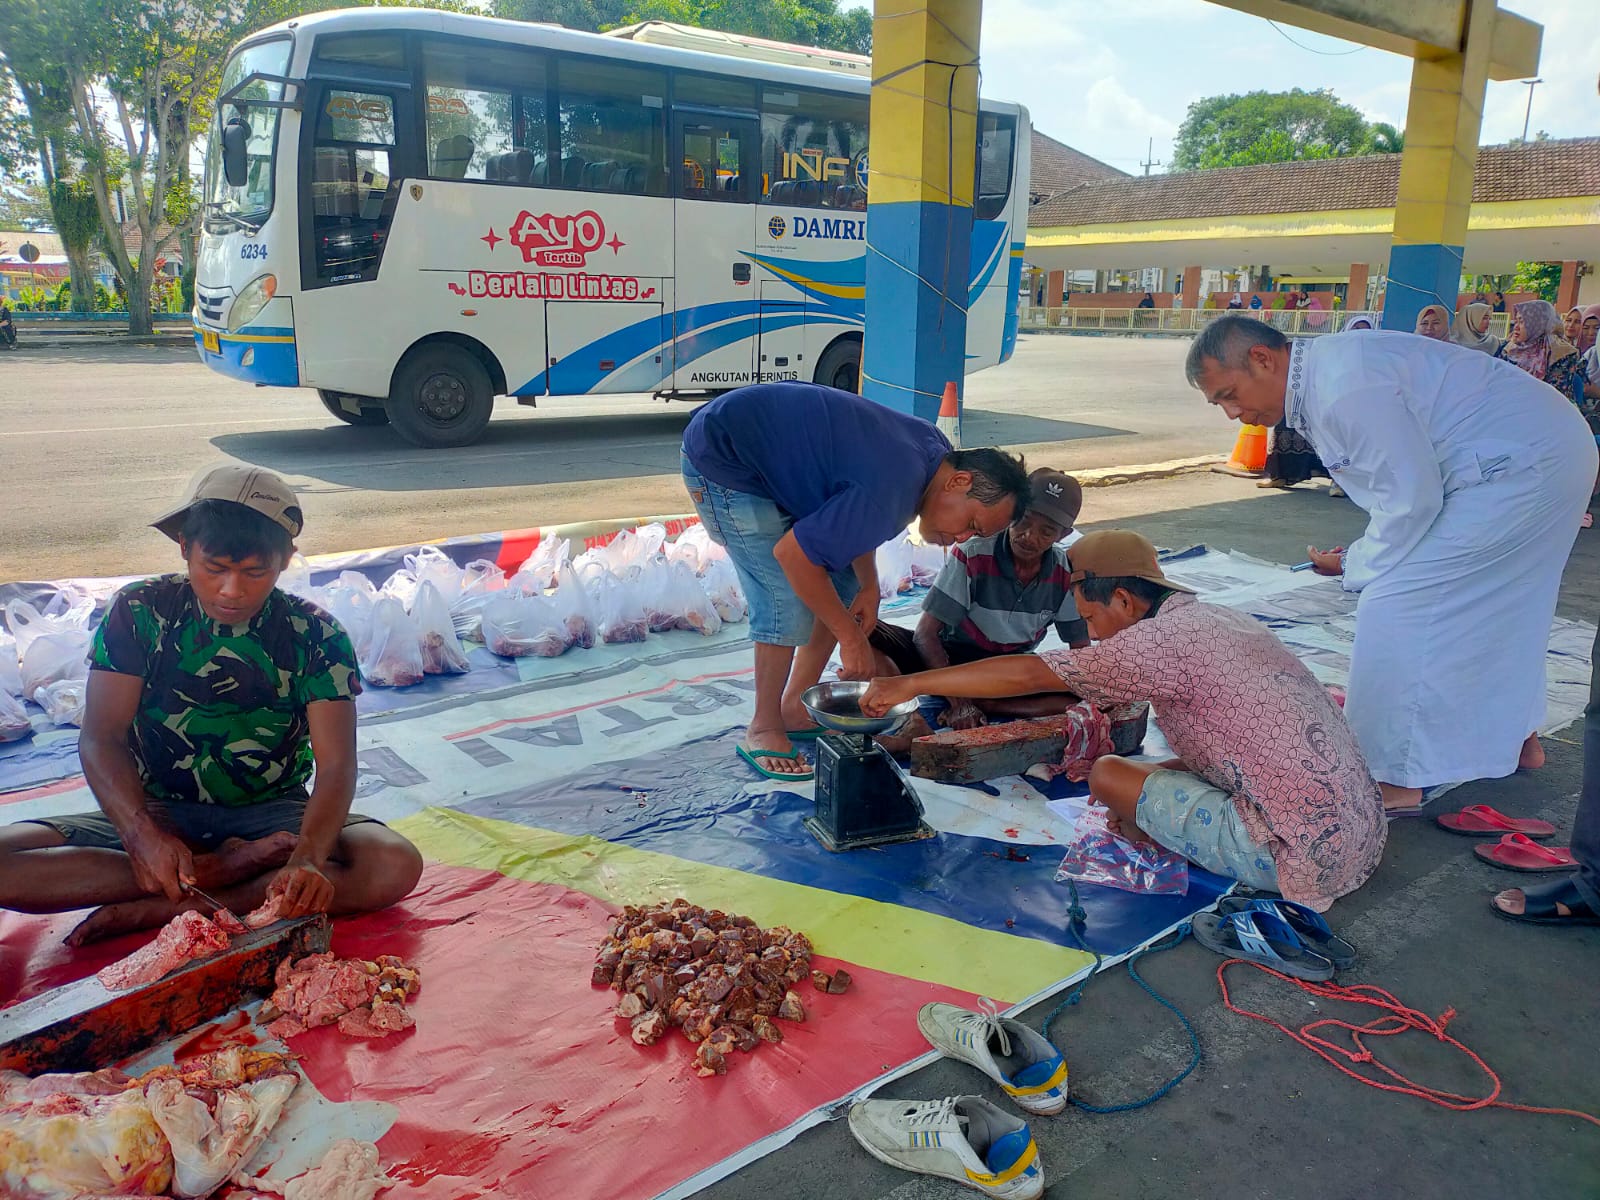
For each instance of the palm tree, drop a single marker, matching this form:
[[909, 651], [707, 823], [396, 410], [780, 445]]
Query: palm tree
[[1384, 138]]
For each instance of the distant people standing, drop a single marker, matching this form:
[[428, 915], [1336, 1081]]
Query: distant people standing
[[1499, 302], [1236, 301], [1148, 301]]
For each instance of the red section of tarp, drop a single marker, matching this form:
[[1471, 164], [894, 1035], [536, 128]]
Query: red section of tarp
[[517, 1080]]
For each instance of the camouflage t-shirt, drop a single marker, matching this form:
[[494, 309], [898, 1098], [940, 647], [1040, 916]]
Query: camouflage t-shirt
[[223, 715]]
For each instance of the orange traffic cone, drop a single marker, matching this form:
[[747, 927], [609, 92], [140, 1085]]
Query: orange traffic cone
[[1249, 452], [949, 421]]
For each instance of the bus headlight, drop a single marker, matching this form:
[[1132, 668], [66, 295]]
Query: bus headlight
[[251, 300]]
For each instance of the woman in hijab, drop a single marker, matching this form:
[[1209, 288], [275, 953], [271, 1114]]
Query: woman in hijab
[[1471, 329], [1434, 322], [1572, 324], [1538, 349]]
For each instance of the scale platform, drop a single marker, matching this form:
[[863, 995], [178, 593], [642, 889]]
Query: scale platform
[[863, 797]]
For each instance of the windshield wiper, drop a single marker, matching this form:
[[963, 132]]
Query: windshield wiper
[[216, 210]]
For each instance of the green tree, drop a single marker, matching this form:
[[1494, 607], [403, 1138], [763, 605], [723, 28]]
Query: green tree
[[1543, 279], [1384, 138], [805, 22], [1257, 127]]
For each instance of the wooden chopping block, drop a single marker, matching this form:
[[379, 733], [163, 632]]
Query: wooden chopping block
[[972, 755], [83, 1027]]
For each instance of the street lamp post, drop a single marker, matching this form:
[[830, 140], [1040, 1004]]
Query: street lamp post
[[1530, 84]]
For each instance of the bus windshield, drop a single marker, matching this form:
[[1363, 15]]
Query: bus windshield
[[252, 203]]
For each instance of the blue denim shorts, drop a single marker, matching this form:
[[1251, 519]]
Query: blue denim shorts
[[749, 527], [1190, 817]]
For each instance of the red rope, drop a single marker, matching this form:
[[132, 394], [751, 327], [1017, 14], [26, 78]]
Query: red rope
[[1396, 1018]]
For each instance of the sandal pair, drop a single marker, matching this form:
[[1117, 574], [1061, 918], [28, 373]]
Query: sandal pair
[[1280, 934]]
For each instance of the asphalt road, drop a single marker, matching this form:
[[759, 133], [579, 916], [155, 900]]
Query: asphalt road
[[94, 442]]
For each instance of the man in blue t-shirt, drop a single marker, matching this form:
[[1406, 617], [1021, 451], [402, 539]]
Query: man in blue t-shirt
[[802, 483]]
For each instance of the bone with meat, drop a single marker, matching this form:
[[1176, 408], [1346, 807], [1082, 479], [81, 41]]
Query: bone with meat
[[365, 998], [186, 937]]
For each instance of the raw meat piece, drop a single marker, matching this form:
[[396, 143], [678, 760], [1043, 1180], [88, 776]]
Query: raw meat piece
[[261, 917], [108, 1081], [840, 982], [382, 1019], [213, 1134], [647, 1027], [709, 1061], [821, 980], [188, 936], [367, 999], [791, 1009], [64, 1146], [348, 1171], [766, 1030]]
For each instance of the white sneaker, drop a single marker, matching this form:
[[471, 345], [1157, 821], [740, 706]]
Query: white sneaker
[[1023, 1063], [964, 1138]]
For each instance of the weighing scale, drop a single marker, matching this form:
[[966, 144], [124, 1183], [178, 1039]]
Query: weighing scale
[[863, 797]]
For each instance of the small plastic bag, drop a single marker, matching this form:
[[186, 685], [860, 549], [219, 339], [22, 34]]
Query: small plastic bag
[[619, 608], [894, 567], [517, 625], [1096, 855], [481, 580], [352, 608], [690, 600], [62, 701], [663, 606], [721, 583], [635, 548], [10, 666], [14, 723], [436, 632], [573, 605], [53, 645], [296, 578], [927, 560], [393, 656], [402, 586], [538, 574], [432, 565]]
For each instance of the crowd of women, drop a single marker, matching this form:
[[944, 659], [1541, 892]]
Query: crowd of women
[[1562, 352]]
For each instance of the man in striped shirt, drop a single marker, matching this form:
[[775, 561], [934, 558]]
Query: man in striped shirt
[[996, 595]]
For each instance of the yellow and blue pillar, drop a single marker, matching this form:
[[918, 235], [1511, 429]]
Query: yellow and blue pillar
[[922, 158], [1443, 119]]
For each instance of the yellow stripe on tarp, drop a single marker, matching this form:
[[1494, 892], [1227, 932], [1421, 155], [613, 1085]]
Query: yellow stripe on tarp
[[885, 937]]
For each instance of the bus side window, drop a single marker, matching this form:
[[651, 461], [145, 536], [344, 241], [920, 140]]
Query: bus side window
[[351, 171], [813, 148], [612, 119], [484, 112], [996, 136]]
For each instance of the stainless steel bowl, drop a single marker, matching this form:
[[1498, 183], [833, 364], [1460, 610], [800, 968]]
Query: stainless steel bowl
[[837, 706]]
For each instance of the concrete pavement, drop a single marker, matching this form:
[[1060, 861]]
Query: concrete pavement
[[95, 440]]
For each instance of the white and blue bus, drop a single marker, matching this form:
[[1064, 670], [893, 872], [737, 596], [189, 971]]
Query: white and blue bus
[[415, 212]]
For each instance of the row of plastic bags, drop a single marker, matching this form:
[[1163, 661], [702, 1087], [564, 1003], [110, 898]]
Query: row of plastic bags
[[636, 585], [44, 657], [904, 564]]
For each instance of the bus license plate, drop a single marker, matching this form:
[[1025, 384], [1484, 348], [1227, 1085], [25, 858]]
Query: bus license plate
[[209, 341]]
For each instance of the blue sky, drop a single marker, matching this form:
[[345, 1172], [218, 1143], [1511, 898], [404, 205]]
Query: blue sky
[[1105, 75]]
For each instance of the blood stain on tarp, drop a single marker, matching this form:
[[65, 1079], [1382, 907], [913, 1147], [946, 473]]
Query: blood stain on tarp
[[1011, 833], [233, 1030], [463, 1158]]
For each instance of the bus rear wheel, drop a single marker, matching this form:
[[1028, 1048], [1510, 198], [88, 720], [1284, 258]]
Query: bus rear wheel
[[442, 397], [840, 365], [357, 414]]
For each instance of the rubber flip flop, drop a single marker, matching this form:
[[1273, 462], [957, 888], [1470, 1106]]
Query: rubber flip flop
[[1261, 937], [1479, 820], [806, 735], [1307, 924], [1400, 814], [1539, 905], [1518, 852], [750, 757]]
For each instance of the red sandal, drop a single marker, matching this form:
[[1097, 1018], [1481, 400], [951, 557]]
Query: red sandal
[[1518, 852], [1479, 820]]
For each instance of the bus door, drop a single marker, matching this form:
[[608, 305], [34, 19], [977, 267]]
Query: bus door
[[579, 360], [780, 350], [353, 160], [715, 160]]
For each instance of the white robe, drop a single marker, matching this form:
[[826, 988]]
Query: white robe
[[1475, 476]]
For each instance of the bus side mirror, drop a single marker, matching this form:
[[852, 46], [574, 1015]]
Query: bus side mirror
[[235, 156]]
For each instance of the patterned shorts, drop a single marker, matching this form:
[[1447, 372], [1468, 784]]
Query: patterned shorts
[[1190, 817]]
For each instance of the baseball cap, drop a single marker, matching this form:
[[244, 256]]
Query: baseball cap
[[252, 487], [1114, 553], [1057, 495]]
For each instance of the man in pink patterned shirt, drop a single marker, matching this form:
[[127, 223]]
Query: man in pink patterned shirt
[[1268, 787]]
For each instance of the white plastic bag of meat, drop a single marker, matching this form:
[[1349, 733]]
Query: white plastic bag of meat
[[619, 608], [14, 723], [574, 607], [393, 656], [538, 574], [894, 567], [663, 605], [481, 580], [432, 565], [10, 665], [695, 547], [352, 608], [442, 653], [517, 626], [53, 645], [635, 547], [62, 702], [721, 582], [402, 585], [927, 560], [690, 600]]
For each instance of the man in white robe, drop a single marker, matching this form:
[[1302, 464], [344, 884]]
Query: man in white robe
[[1475, 476]]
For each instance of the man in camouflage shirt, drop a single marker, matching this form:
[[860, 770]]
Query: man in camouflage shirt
[[211, 697]]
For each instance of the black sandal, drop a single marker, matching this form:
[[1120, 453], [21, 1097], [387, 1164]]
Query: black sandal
[[1539, 905]]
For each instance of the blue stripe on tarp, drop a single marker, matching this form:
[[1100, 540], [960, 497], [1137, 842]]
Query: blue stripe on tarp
[[700, 802]]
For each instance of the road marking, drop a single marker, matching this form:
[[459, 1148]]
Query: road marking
[[141, 428]]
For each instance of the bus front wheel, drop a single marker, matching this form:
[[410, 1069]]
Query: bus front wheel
[[442, 397], [357, 413], [840, 365]]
